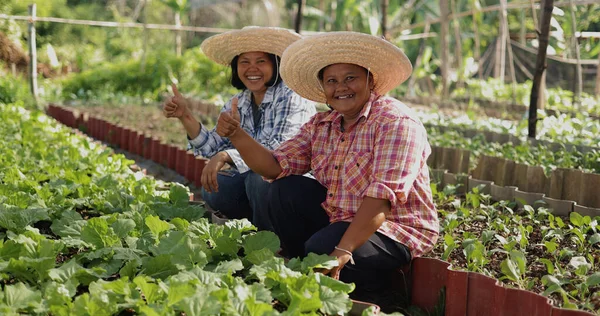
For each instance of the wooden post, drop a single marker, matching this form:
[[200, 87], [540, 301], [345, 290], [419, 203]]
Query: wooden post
[[413, 78], [178, 33], [384, 7], [523, 31], [540, 65], [511, 62], [597, 90], [578, 72], [298, 22], [500, 65], [32, 54], [321, 18], [444, 13], [13, 68], [457, 47], [477, 50]]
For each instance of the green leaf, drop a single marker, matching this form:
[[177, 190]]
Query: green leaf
[[179, 291], [334, 303], [200, 304], [179, 194], [258, 256], [229, 267], [593, 279], [335, 285], [159, 267], [65, 272], [151, 291], [315, 261], [97, 233], [576, 219], [261, 240], [180, 223], [122, 227], [17, 220], [156, 226], [20, 296], [594, 239], [510, 270]]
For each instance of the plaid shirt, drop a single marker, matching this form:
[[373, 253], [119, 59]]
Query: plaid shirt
[[282, 114], [382, 156]]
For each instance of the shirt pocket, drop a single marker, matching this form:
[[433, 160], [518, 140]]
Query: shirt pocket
[[357, 172], [319, 168]]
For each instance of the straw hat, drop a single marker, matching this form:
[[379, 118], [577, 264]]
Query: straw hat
[[222, 48], [302, 61]]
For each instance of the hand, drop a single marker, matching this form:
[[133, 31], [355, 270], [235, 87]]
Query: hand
[[210, 171], [229, 121], [175, 106], [342, 258]]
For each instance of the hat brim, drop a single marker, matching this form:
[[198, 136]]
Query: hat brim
[[302, 61], [222, 48]]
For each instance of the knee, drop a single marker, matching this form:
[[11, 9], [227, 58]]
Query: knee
[[256, 184], [318, 245]]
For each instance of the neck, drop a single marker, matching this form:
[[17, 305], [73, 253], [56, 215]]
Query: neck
[[258, 97], [349, 121]]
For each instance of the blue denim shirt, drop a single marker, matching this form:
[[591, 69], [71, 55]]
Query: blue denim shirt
[[282, 111]]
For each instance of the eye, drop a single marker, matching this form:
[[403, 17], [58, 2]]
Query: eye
[[260, 61], [350, 78], [331, 81]]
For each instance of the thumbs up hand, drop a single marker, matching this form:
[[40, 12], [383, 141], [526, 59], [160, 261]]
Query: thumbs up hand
[[229, 121], [177, 105]]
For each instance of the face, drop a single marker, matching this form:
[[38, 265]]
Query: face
[[255, 70], [347, 88]]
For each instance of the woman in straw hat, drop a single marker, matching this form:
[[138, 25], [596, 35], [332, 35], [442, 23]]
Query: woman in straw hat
[[270, 113], [371, 205]]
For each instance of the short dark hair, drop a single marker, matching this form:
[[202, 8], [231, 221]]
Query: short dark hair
[[237, 83]]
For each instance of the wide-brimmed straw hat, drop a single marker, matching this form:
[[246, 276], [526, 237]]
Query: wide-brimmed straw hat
[[222, 48], [302, 61]]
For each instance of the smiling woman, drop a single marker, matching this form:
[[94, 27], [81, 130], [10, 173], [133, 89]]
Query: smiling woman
[[371, 205], [269, 111]]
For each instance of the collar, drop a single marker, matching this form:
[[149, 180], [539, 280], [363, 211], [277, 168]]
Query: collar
[[268, 99]]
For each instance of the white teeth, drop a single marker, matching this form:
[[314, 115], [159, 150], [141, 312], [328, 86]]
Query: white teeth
[[345, 96], [253, 77]]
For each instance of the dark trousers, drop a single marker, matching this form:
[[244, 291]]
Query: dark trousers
[[303, 226], [241, 195]]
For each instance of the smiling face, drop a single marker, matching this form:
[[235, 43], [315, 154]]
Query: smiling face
[[347, 88], [255, 70]]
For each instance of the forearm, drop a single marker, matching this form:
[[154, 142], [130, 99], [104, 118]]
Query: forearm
[[368, 219], [191, 125], [256, 156]]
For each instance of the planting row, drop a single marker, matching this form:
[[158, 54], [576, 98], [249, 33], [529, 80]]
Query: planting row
[[82, 234], [462, 293], [134, 142]]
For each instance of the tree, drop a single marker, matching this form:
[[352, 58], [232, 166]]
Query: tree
[[180, 7]]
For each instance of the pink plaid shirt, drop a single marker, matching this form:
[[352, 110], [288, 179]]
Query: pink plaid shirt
[[383, 156]]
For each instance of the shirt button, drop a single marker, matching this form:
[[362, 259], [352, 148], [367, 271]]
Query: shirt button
[[357, 164], [342, 139], [330, 194], [336, 167]]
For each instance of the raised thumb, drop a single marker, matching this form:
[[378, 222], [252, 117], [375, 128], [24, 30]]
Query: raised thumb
[[234, 109]]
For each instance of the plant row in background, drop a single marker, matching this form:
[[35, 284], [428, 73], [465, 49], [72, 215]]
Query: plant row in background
[[560, 128], [82, 234]]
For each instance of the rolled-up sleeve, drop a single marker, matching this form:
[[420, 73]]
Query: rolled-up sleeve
[[208, 143], [398, 159]]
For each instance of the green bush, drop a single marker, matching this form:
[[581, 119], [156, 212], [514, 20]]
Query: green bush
[[13, 89], [197, 74]]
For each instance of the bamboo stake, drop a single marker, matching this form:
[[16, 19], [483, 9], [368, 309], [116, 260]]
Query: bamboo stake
[[384, 7], [412, 79], [540, 66], [578, 72], [178, 34], [457, 48], [32, 54], [523, 32], [597, 90], [444, 13], [477, 50]]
